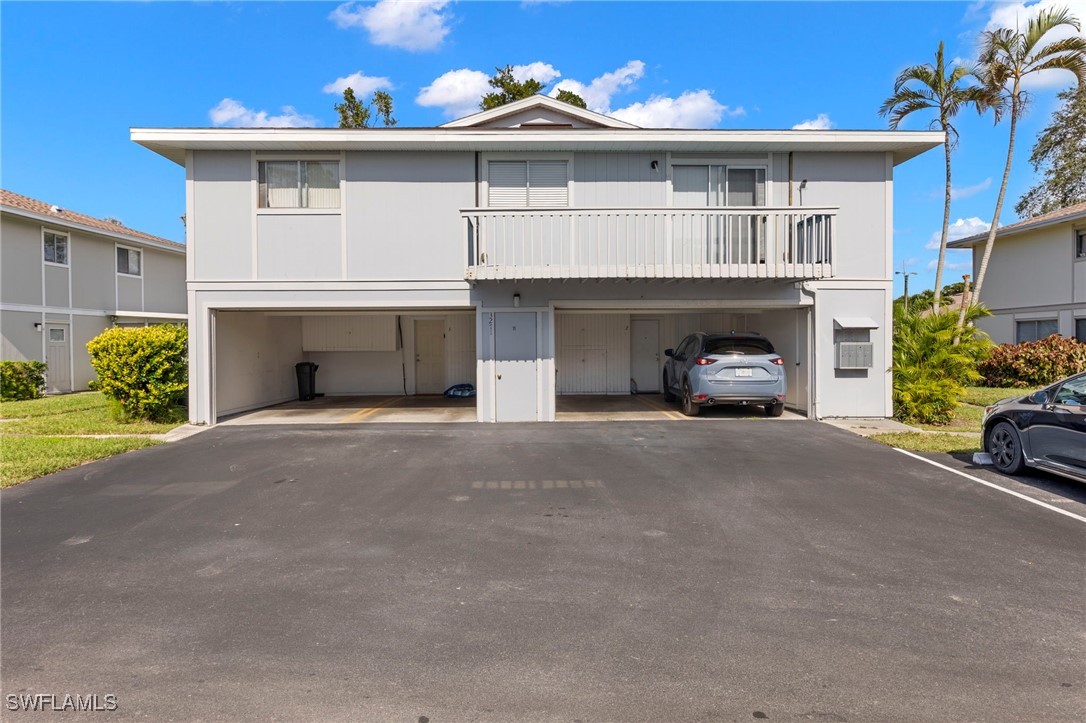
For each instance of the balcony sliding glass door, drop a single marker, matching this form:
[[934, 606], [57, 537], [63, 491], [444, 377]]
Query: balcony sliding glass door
[[738, 239]]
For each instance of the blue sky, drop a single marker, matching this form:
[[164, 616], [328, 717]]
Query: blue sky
[[76, 76]]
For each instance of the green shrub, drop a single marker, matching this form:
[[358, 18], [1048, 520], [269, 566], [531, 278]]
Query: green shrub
[[930, 372], [1034, 363], [21, 380], [144, 369]]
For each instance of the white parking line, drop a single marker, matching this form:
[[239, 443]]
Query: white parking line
[[1027, 498]]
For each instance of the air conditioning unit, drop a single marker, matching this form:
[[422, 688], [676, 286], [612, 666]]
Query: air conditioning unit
[[854, 355]]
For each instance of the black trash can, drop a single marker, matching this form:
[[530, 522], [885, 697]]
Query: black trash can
[[307, 380]]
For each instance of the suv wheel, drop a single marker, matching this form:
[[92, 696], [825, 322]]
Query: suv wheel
[[1005, 446], [669, 396], [774, 410], [690, 409]]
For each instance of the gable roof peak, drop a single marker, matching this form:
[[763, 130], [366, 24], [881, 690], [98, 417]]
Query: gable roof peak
[[538, 101]]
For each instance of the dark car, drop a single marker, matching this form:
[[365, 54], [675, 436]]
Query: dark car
[[1045, 429], [708, 369]]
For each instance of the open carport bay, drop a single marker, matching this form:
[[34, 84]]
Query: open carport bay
[[615, 352], [360, 353]]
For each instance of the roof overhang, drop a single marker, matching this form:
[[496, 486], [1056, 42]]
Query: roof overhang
[[971, 241], [58, 222], [173, 142]]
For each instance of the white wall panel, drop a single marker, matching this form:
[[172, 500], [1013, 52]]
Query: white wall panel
[[255, 358], [349, 333], [593, 355], [460, 349]]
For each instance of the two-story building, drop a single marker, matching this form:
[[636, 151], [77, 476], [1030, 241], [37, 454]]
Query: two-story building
[[1035, 285], [66, 277], [533, 250]]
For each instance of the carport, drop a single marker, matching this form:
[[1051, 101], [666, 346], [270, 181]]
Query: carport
[[383, 364], [607, 353]]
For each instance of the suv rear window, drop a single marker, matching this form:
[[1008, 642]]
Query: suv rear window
[[737, 346]]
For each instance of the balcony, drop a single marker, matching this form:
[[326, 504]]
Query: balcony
[[787, 243]]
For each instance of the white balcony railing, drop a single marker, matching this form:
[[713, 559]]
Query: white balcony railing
[[662, 243]]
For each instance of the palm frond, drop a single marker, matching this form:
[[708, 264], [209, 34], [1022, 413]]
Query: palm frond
[[1045, 21]]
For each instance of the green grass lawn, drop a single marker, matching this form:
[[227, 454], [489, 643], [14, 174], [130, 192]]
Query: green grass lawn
[[25, 458], [33, 441], [983, 396], [918, 442]]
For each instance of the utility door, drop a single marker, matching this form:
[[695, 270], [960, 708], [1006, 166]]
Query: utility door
[[58, 357], [429, 356], [645, 354], [515, 363]]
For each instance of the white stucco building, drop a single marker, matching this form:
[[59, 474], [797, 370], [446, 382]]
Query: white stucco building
[[68, 276], [533, 250], [1036, 279]]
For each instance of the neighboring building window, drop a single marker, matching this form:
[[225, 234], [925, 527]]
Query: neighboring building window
[[129, 261], [299, 184], [520, 184], [56, 248], [1080, 330], [1080, 244], [1036, 329]]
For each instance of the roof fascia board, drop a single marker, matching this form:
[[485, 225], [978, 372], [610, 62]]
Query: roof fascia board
[[56, 221], [972, 241]]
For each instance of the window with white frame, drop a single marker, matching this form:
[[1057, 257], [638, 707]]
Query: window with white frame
[[1080, 243], [56, 248], [1035, 329], [1080, 329], [299, 184], [129, 261], [520, 184]]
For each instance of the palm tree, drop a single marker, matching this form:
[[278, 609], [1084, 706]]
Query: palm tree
[[922, 87], [1007, 56]]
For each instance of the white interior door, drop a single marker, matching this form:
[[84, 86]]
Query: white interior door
[[429, 356], [59, 374], [515, 363], [645, 354]]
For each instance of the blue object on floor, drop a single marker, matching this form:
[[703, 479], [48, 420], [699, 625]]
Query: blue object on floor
[[460, 390]]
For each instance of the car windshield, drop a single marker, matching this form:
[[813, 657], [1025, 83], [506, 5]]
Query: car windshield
[[738, 346]]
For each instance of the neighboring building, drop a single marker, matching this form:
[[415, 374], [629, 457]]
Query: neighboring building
[[66, 277], [1036, 280], [534, 250]]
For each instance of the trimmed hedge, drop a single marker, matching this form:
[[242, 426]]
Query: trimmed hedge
[[21, 380], [144, 369], [1034, 363]]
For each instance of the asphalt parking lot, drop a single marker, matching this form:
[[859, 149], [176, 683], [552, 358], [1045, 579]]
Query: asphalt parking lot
[[631, 571]]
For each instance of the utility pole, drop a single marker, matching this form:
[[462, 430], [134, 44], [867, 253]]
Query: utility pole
[[905, 274]]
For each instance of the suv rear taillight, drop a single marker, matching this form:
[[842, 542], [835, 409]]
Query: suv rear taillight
[[704, 361], [778, 361]]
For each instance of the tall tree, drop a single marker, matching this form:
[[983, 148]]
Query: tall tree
[[933, 87], [354, 114], [1007, 57], [1061, 151], [508, 89]]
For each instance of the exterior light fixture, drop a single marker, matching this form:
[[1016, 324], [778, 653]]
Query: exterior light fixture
[[516, 301], [37, 326], [655, 165]]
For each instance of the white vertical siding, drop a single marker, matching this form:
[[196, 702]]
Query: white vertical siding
[[620, 179], [349, 333], [593, 354], [460, 349]]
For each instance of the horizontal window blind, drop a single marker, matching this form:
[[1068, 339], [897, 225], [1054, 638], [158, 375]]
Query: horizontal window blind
[[547, 184], [519, 184], [508, 182]]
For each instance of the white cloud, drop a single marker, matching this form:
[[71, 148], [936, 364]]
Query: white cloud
[[692, 109], [416, 25], [958, 193], [950, 265], [1016, 15], [362, 85], [821, 123], [958, 229], [543, 72], [457, 92], [230, 112], [598, 93]]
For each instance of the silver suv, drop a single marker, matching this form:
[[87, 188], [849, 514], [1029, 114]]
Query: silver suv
[[736, 368]]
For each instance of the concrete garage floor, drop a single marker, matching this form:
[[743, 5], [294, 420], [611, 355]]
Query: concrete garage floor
[[603, 572], [437, 409], [422, 409]]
